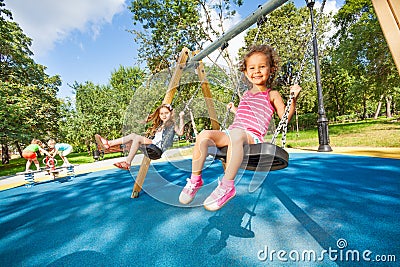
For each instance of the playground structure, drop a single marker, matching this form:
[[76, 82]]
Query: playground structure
[[388, 13], [184, 60], [51, 169], [388, 8]]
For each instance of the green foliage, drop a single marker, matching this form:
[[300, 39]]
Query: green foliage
[[288, 31], [168, 26], [361, 57], [99, 108], [29, 106]]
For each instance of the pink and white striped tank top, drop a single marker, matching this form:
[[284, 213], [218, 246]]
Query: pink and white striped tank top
[[254, 113]]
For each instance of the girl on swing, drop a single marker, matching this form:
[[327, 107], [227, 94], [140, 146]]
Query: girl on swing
[[250, 125], [161, 134]]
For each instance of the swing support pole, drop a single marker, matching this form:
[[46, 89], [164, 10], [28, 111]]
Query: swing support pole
[[266, 8], [323, 135]]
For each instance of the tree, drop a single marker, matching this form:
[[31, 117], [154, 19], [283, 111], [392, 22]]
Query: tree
[[27, 94], [100, 108], [360, 48], [339, 88], [168, 26]]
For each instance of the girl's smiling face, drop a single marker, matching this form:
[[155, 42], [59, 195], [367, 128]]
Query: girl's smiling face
[[258, 69], [165, 114]]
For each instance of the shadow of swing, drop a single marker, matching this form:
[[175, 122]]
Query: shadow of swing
[[229, 221]]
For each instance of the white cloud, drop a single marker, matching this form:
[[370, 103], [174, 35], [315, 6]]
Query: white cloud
[[50, 21], [330, 6]]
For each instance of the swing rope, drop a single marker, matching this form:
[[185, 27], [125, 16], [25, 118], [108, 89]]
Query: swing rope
[[193, 96], [283, 123], [153, 151], [268, 156]]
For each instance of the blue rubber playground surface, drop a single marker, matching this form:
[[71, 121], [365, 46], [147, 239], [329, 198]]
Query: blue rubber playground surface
[[323, 210]]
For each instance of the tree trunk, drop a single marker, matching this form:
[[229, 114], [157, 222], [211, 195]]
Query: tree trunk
[[388, 105], [378, 109], [5, 157], [19, 148], [364, 115]]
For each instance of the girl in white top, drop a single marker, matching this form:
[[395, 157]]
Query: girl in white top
[[61, 149], [161, 134]]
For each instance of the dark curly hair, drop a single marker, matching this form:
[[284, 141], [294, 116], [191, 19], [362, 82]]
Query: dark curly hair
[[271, 54]]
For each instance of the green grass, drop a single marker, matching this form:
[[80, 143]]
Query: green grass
[[368, 133]]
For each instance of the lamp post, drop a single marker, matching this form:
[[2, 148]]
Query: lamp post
[[323, 136]]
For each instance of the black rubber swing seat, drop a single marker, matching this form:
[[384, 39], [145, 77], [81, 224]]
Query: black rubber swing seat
[[151, 151], [257, 157]]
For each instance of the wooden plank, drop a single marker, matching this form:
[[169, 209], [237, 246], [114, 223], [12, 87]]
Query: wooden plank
[[395, 8], [205, 87], [144, 167], [174, 83], [388, 15]]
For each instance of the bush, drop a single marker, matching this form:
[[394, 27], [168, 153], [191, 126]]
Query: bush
[[347, 118], [306, 122]]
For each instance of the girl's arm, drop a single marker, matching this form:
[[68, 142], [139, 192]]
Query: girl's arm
[[44, 152], [54, 152], [277, 101], [179, 130]]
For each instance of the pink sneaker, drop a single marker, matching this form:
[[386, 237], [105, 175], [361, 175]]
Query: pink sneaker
[[219, 197], [189, 191]]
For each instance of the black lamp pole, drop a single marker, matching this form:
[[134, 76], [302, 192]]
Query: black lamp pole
[[323, 136]]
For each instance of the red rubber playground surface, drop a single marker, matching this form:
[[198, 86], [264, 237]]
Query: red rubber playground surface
[[325, 209]]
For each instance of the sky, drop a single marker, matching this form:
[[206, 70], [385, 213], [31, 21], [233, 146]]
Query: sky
[[86, 40]]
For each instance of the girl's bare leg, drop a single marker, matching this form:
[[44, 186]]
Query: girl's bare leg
[[204, 140], [235, 153], [28, 165], [122, 140], [65, 160], [136, 140], [37, 164]]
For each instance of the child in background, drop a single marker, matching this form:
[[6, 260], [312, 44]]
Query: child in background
[[29, 153], [61, 149], [161, 134], [250, 125]]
